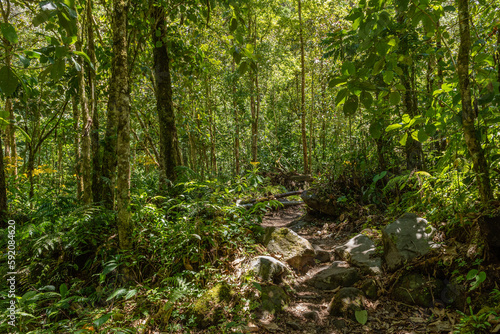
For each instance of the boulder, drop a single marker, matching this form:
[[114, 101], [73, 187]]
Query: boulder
[[346, 302], [370, 288], [337, 274], [296, 250], [406, 238], [324, 205], [273, 298], [267, 268], [322, 255], [415, 289], [208, 309], [360, 251]]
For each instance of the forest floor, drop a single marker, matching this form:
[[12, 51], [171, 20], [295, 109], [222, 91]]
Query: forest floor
[[307, 311]]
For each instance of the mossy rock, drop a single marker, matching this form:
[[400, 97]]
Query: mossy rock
[[415, 289], [274, 298], [296, 250], [207, 310], [346, 302]]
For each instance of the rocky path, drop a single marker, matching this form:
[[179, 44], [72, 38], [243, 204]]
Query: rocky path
[[307, 311]]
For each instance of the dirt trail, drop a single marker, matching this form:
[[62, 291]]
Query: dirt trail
[[307, 312]]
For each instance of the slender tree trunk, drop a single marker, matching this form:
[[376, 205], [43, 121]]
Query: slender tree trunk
[[77, 149], [302, 92], [469, 116], [109, 145], [3, 189], [94, 133], [122, 105], [236, 121], [85, 132], [311, 119], [413, 148], [211, 125], [10, 144], [164, 105]]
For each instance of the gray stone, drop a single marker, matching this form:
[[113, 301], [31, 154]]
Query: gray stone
[[370, 288], [274, 298], [267, 268], [415, 289], [337, 274], [360, 251], [346, 302], [296, 250], [322, 255], [406, 238]]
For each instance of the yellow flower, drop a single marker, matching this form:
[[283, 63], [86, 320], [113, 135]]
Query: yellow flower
[[255, 163]]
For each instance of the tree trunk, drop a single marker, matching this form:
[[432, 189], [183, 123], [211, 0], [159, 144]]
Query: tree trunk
[[3, 189], [109, 145], [302, 92], [211, 125], [77, 150], [85, 132], [469, 116], [164, 105], [236, 121], [122, 106], [94, 133]]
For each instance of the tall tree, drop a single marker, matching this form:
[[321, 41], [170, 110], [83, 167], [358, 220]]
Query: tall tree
[[469, 115], [120, 81], [92, 103], [164, 105], [86, 126], [302, 92], [3, 188]]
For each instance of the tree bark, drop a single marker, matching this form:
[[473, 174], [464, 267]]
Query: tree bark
[[3, 189], [236, 121], [164, 105], [94, 133], [469, 116], [76, 145], [302, 92], [86, 128], [122, 106]]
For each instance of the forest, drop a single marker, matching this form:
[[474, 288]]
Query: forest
[[250, 166]]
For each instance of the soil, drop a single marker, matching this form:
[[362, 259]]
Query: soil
[[307, 311]]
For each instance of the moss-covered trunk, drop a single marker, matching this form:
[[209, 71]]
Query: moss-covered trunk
[[468, 114]]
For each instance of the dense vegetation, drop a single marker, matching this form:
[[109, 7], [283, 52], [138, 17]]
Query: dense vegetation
[[129, 131]]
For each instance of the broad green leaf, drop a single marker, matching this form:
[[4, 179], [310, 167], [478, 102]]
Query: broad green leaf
[[348, 68], [403, 139], [366, 98], [393, 127], [8, 80], [243, 68], [233, 24], [388, 76], [394, 98], [341, 96], [361, 316], [376, 130], [25, 61], [58, 69], [378, 67], [117, 293], [406, 118], [130, 294], [422, 136], [99, 322], [110, 266], [430, 129], [414, 135], [48, 9], [351, 105], [337, 81], [9, 32], [471, 274], [63, 289]]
